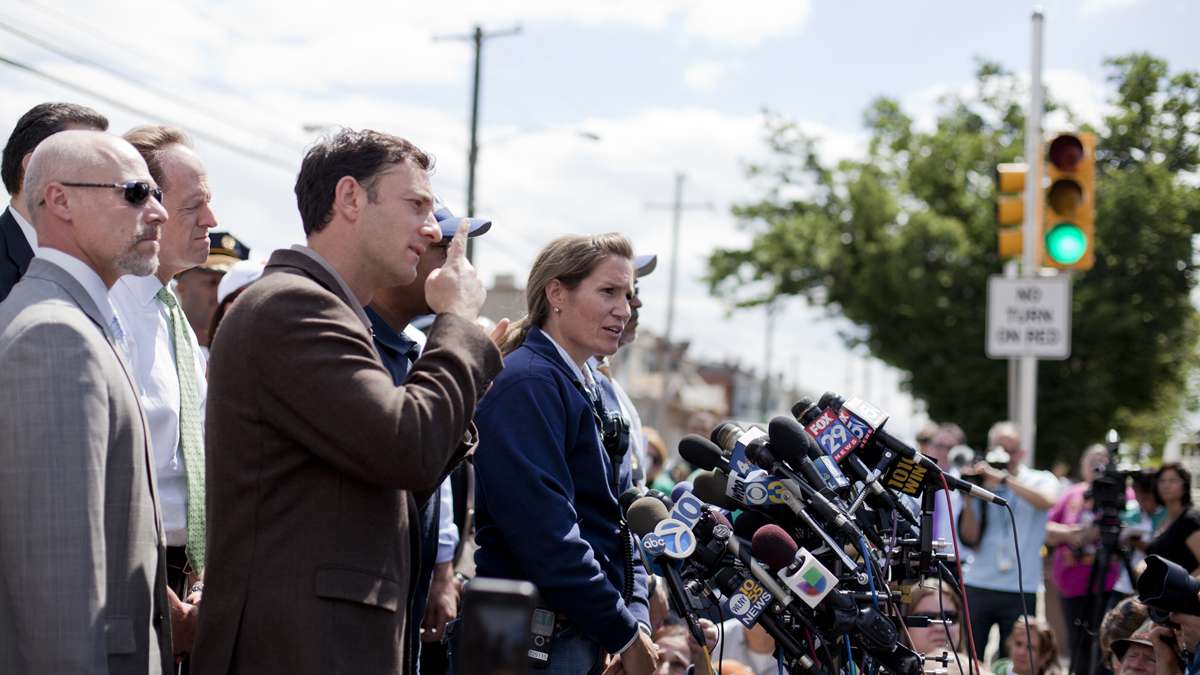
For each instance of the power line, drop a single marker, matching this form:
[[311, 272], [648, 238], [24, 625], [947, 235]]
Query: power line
[[149, 87], [250, 153]]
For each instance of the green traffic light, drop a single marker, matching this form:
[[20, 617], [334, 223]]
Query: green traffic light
[[1066, 244]]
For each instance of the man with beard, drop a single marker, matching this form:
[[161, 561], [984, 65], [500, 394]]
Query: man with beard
[[82, 563]]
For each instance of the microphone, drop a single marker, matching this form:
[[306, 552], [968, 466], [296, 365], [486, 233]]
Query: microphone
[[725, 435], [794, 433], [644, 514], [883, 439], [731, 583], [774, 547], [760, 454], [709, 487], [629, 496], [749, 522], [799, 570], [702, 453], [680, 488]]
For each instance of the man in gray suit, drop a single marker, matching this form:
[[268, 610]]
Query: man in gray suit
[[82, 556]]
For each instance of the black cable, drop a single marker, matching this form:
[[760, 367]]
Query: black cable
[[946, 627], [210, 138], [945, 574], [147, 86], [1012, 521]]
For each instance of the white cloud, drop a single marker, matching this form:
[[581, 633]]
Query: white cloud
[[1101, 6], [747, 22], [704, 76], [1083, 96]]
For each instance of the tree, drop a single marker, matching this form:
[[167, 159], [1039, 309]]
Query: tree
[[902, 243]]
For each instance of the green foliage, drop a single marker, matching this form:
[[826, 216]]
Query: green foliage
[[903, 241]]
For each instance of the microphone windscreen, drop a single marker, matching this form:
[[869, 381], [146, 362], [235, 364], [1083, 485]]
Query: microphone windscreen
[[709, 487], [721, 519], [680, 488], [827, 399], [749, 522], [725, 435], [790, 441], [630, 496], [773, 547], [645, 513], [701, 452], [800, 406]]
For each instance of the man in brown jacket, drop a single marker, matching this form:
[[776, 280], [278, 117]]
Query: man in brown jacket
[[313, 453]]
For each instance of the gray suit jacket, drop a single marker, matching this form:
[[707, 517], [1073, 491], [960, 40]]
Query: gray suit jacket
[[82, 557]]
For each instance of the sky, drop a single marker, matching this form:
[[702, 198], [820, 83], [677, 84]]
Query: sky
[[587, 113]]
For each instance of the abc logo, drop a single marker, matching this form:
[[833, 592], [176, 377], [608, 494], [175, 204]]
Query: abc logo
[[678, 540], [653, 544], [739, 604]]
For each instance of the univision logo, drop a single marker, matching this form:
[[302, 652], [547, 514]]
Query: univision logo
[[678, 540], [812, 582]]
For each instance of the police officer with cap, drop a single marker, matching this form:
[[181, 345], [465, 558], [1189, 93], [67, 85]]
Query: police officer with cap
[[612, 391], [197, 287]]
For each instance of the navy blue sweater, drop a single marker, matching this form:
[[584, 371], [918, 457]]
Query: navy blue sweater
[[546, 509]]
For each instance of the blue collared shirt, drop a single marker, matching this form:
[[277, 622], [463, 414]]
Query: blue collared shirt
[[995, 564]]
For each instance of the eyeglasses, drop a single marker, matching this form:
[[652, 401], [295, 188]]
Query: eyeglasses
[[136, 191]]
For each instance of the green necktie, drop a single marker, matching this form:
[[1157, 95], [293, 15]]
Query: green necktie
[[191, 438]]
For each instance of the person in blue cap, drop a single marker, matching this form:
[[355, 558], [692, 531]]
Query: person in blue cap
[[612, 390], [434, 593]]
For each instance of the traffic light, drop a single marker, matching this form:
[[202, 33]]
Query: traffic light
[[1068, 220], [1010, 207]]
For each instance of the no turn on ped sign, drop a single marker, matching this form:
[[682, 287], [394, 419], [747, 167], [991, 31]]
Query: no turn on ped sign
[[1029, 317]]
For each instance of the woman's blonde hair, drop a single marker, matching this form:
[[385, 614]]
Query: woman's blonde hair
[[570, 259]]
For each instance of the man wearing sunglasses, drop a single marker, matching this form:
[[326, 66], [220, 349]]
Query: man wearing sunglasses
[[18, 240], [168, 365], [82, 562]]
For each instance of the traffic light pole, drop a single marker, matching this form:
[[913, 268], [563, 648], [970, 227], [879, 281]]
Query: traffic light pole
[[1031, 253]]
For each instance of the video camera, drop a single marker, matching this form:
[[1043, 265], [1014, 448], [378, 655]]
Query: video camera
[[1110, 485]]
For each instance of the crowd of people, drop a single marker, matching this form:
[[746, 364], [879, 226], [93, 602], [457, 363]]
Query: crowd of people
[[217, 464]]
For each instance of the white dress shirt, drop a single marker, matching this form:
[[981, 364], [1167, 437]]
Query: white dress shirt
[[26, 227], [148, 327], [85, 275]]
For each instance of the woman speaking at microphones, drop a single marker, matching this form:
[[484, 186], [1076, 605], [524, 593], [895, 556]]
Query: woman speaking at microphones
[[547, 489]]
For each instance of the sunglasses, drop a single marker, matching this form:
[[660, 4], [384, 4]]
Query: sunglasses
[[136, 191]]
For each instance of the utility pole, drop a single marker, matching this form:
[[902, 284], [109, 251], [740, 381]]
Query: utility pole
[[764, 405], [477, 37], [1031, 253], [668, 363]]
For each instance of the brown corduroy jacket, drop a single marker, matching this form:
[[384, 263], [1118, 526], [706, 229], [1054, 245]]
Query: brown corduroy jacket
[[313, 456]]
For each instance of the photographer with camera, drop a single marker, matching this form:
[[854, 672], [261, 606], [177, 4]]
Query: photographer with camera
[[1073, 532], [1178, 538], [992, 582], [548, 468]]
